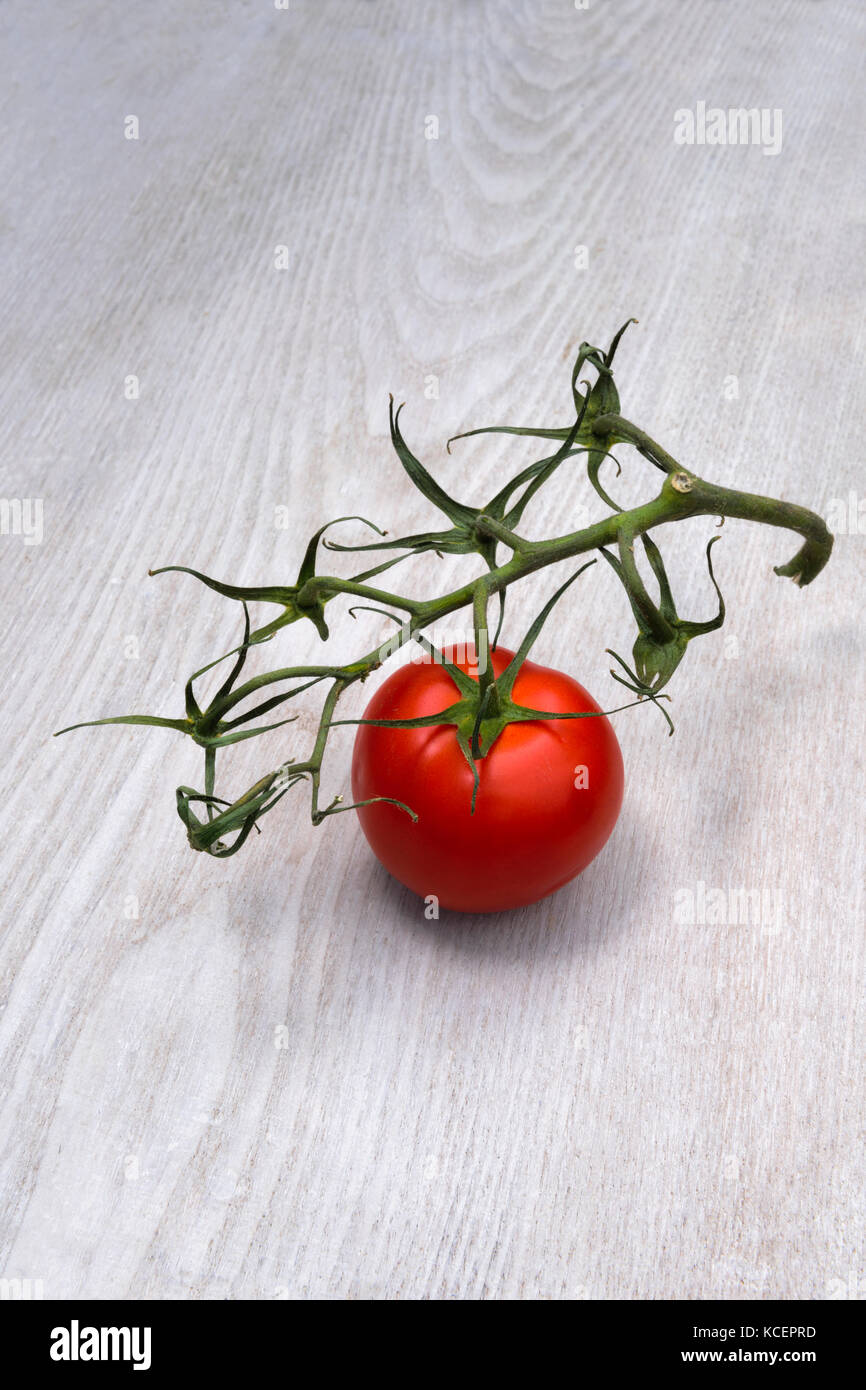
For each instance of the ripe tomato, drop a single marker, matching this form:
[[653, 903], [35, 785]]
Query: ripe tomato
[[548, 797]]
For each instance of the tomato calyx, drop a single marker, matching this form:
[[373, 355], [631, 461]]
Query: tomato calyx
[[302, 599], [596, 412], [486, 704], [480, 529]]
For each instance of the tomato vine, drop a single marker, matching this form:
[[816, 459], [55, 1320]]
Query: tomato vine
[[482, 707]]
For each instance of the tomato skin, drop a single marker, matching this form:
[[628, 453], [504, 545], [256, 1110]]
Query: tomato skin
[[533, 829]]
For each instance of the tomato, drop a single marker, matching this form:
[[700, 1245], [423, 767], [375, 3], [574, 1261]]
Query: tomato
[[548, 797]]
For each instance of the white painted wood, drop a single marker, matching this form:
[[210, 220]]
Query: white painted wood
[[586, 1098]]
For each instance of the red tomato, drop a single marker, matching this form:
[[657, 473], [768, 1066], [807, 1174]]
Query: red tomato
[[548, 798]]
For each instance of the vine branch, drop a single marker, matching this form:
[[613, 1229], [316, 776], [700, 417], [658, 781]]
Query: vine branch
[[483, 706]]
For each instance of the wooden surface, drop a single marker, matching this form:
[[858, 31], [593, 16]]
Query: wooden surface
[[271, 1077]]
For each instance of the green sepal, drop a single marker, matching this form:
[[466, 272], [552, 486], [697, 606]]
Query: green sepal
[[223, 740], [182, 726], [455, 511], [505, 682], [286, 595], [240, 815]]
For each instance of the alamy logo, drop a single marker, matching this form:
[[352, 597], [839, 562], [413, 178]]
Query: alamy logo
[[460, 643], [75, 1343], [22, 516], [736, 126], [701, 906], [13, 1290]]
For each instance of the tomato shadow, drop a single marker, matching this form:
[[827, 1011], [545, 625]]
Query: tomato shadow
[[584, 916]]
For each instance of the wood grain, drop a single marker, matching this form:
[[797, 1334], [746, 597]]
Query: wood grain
[[271, 1077]]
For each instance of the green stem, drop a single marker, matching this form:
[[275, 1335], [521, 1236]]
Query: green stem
[[489, 526], [622, 430], [323, 586]]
